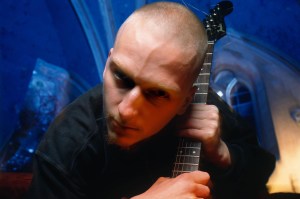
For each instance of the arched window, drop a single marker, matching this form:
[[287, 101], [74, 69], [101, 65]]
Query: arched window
[[235, 93], [240, 100]]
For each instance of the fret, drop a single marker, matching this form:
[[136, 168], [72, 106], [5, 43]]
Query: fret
[[203, 77], [186, 168], [189, 164], [202, 87], [183, 168], [201, 84], [203, 74], [186, 165], [178, 172], [198, 93], [187, 159], [189, 156]]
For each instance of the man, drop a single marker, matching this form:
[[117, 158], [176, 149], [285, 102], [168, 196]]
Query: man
[[124, 146]]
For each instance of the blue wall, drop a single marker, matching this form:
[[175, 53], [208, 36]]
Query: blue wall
[[38, 29]]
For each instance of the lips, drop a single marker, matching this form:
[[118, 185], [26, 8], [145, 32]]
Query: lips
[[119, 128]]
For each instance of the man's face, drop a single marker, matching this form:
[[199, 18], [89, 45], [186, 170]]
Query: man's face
[[145, 85]]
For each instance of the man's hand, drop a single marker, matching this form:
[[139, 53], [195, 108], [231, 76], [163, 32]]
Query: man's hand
[[188, 186], [202, 122]]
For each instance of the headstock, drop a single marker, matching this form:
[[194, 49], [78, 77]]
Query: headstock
[[214, 22]]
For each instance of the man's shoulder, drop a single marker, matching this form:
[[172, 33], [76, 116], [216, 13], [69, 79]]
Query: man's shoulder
[[81, 114], [74, 130]]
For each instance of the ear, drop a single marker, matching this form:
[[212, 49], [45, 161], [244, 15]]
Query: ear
[[110, 51], [189, 98]]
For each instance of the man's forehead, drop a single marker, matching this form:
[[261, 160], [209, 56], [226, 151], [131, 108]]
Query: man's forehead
[[146, 49]]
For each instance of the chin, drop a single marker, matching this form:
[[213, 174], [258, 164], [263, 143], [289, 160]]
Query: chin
[[122, 142]]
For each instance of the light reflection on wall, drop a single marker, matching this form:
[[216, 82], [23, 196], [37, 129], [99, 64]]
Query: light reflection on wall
[[274, 85]]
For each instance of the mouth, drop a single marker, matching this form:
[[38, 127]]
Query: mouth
[[122, 135], [119, 128]]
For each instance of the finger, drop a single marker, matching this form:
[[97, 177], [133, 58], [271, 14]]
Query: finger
[[204, 107], [195, 134], [200, 177], [197, 115], [202, 191], [197, 123], [208, 132], [208, 112]]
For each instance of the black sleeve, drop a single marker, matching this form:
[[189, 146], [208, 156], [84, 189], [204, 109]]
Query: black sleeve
[[70, 155], [251, 164], [50, 182], [82, 181]]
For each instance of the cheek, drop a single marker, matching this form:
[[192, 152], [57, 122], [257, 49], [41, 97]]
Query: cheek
[[111, 99], [161, 117], [111, 95]]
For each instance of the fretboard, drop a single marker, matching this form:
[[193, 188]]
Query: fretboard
[[188, 152]]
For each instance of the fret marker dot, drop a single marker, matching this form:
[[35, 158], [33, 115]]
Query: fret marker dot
[[194, 152]]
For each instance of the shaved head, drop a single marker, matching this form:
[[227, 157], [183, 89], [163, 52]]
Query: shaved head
[[175, 24]]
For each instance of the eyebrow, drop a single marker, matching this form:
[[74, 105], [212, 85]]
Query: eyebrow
[[116, 66], [155, 85]]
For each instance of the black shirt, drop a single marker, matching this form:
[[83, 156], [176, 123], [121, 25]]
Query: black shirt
[[75, 161]]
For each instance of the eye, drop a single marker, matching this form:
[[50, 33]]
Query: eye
[[123, 79], [156, 94]]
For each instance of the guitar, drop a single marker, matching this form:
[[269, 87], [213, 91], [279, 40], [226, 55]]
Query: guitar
[[188, 151]]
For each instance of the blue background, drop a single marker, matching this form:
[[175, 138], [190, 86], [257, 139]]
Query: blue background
[[57, 31]]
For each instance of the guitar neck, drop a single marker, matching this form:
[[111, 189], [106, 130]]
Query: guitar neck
[[202, 81], [188, 151]]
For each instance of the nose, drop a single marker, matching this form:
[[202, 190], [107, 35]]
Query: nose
[[131, 104]]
